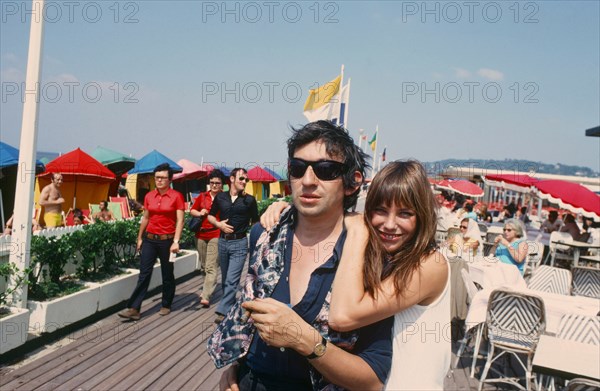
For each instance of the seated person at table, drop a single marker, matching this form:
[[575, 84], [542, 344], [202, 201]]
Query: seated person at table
[[483, 214], [470, 238], [571, 227], [511, 248], [553, 223], [468, 212]]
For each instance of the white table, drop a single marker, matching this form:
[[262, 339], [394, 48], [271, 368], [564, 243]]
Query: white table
[[567, 359], [490, 272], [556, 306], [577, 246]]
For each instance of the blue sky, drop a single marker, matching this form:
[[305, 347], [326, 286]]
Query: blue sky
[[156, 63]]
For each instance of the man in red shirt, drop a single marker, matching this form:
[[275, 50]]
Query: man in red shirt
[[208, 235], [159, 234]]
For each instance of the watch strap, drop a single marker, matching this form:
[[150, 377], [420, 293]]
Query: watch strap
[[314, 353]]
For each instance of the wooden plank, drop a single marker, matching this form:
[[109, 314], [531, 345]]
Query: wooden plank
[[41, 371]]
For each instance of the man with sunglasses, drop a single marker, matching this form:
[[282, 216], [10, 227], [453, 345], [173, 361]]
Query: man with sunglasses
[[277, 335], [207, 237], [236, 209]]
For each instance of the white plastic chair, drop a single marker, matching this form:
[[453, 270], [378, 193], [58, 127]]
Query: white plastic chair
[[535, 252], [560, 251]]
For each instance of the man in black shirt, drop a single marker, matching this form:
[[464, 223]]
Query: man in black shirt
[[237, 210]]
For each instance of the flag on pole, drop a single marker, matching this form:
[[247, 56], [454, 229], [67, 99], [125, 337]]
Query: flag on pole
[[383, 155], [373, 142], [339, 115], [321, 102]]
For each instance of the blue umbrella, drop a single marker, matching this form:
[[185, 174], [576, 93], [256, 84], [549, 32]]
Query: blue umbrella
[[147, 164], [9, 161], [9, 156]]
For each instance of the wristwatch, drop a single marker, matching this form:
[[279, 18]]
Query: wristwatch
[[318, 350]]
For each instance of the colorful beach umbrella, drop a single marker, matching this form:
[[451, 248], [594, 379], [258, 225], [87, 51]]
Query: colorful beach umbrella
[[259, 174], [78, 163], [86, 180], [461, 186], [146, 164], [117, 162], [570, 196], [190, 171], [516, 182]]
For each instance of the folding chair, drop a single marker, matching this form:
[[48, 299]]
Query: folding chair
[[586, 282], [125, 212], [535, 252], [477, 330], [551, 279], [514, 324], [116, 209]]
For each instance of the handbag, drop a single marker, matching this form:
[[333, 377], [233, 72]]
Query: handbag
[[194, 224]]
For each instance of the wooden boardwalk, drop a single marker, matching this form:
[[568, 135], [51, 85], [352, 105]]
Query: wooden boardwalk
[[154, 353]]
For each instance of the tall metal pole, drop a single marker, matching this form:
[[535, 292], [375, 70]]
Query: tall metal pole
[[21, 233]]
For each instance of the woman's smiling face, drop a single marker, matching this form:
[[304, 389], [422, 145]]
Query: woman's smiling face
[[395, 225]]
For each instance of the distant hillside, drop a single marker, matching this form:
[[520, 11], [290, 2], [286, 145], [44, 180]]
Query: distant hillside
[[436, 167]]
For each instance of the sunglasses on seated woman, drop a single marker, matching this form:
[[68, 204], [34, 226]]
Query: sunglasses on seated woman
[[325, 170]]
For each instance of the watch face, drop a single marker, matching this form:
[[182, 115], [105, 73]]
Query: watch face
[[320, 349]]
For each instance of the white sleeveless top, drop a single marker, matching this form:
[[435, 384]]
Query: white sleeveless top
[[422, 345]]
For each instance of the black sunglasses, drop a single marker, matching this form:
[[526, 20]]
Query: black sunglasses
[[325, 170]]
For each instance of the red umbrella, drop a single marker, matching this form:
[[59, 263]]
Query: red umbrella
[[461, 186], [570, 196], [84, 177], [80, 164], [258, 174]]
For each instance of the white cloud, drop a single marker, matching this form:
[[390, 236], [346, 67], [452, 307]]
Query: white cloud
[[490, 74], [462, 73]]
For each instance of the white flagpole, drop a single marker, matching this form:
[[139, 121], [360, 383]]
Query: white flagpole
[[347, 106], [21, 233], [374, 170], [339, 96], [360, 137]]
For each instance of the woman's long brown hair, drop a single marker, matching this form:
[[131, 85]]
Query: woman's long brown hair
[[400, 183]]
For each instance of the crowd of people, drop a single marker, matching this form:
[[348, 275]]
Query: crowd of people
[[331, 297]]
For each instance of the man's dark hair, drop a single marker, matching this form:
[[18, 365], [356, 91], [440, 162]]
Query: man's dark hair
[[234, 172], [469, 207], [339, 144], [164, 167], [216, 173]]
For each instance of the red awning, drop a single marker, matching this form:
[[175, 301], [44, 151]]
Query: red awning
[[570, 196]]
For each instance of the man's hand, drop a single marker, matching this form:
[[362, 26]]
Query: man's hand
[[203, 212], [271, 216], [174, 248], [138, 247], [226, 228], [279, 326], [229, 380]]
